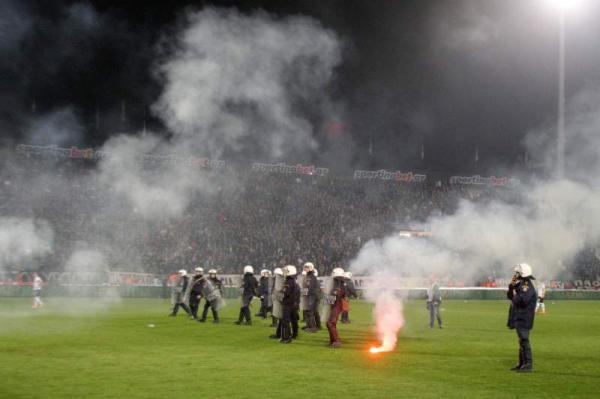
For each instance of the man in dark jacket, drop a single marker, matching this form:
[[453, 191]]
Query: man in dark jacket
[[195, 292], [263, 293], [291, 305], [248, 288], [214, 305], [522, 295], [311, 291]]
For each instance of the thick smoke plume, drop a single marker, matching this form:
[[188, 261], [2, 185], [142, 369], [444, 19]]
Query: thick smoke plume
[[233, 84], [545, 223]]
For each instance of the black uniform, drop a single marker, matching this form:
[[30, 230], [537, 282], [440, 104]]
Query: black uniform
[[249, 288], [312, 291], [520, 317], [263, 293], [195, 295], [211, 297], [291, 307], [178, 294]]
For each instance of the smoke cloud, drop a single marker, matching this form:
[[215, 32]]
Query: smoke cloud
[[236, 84], [545, 223], [233, 85], [21, 240]]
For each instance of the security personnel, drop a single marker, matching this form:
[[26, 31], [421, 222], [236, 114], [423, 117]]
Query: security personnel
[[178, 291], [522, 295], [195, 292], [263, 293], [311, 291], [277, 298], [291, 305], [335, 299], [248, 288], [212, 297]]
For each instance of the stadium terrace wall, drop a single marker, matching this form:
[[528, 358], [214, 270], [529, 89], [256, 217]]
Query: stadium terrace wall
[[125, 291]]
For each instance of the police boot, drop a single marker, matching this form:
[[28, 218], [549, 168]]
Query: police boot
[[295, 330], [248, 316], [187, 310], [527, 366], [174, 311], [240, 317], [277, 332], [518, 366], [286, 334]]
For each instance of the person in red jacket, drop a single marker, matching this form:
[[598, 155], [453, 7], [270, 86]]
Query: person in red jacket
[[335, 301]]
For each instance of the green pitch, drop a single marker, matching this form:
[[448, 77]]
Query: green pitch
[[62, 351]]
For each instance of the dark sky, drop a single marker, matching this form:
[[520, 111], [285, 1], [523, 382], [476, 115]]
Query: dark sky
[[448, 75]]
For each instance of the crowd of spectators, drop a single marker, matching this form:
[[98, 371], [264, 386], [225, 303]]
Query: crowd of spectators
[[267, 221]]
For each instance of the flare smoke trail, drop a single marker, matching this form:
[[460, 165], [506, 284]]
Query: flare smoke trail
[[546, 223]]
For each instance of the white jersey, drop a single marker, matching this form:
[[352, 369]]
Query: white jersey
[[37, 283], [541, 290]]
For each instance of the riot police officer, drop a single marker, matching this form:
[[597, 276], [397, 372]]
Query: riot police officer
[[291, 305], [263, 293], [178, 290], [522, 295], [211, 291], [333, 305], [311, 291], [194, 293], [277, 298], [248, 288]]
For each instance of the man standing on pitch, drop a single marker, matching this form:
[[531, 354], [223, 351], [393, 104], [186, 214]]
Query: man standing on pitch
[[291, 305], [178, 291], [522, 295], [434, 301], [248, 288], [37, 291], [194, 292]]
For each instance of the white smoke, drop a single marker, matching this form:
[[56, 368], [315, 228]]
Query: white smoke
[[234, 79], [388, 318], [546, 224], [21, 240], [229, 87], [89, 268], [164, 191]]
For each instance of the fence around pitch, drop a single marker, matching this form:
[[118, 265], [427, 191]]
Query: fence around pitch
[[129, 291]]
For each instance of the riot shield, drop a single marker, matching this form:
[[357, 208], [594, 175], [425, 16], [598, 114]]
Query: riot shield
[[212, 295], [328, 300], [303, 299], [277, 296]]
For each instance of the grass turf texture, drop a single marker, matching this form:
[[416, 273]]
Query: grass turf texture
[[63, 351]]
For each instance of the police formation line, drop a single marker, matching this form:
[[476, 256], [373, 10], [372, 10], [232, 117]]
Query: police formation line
[[284, 294]]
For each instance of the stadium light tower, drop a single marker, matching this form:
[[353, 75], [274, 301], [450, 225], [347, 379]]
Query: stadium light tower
[[562, 7]]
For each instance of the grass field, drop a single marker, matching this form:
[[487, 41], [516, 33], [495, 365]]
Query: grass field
[[64, 351]]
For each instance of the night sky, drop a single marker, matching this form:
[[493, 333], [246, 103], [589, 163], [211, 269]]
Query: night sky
[[445, 76]]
